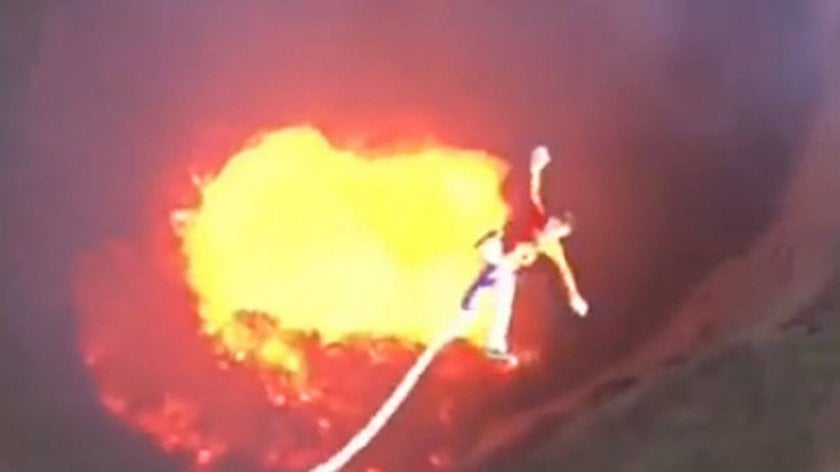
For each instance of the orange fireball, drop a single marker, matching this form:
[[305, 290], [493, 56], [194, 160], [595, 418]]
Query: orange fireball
[[338, 242]]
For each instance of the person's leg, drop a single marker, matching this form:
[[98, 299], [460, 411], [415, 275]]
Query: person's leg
[[503, 295]]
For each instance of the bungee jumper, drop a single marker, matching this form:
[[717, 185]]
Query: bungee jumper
[[542, 235]]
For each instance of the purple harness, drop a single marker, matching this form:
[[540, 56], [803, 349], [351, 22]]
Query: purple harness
[[486, 278]]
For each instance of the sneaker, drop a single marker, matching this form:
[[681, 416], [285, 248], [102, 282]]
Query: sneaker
[[502, 356]]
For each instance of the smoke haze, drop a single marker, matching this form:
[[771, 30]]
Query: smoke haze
[[676, 124]]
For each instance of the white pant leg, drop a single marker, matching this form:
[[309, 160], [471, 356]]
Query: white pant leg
[[503, 293]]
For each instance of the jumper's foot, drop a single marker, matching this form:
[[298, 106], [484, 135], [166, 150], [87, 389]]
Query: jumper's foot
[[502, 356]]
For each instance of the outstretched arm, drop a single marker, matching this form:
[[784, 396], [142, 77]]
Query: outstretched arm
[[539, 160], [553, 248]]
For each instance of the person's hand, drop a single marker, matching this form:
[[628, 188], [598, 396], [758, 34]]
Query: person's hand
[[539, 159], [579, 305]]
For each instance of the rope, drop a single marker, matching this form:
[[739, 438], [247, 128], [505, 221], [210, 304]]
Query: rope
[[365, 435]]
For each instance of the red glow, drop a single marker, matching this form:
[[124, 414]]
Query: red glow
[[157, 370]]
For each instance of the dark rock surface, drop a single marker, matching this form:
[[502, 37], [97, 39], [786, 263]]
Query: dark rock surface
[[746, 377], [769, 404]]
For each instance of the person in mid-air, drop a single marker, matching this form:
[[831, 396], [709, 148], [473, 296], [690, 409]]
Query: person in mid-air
[[498, 278], [542, 235]]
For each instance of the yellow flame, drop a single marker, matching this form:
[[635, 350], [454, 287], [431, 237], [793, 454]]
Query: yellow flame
[[338, 241]]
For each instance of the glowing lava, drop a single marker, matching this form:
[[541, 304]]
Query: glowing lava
[[344, 243], [298, 257]]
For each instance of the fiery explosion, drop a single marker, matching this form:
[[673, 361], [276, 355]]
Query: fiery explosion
[[337, 242], [296, 289]]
